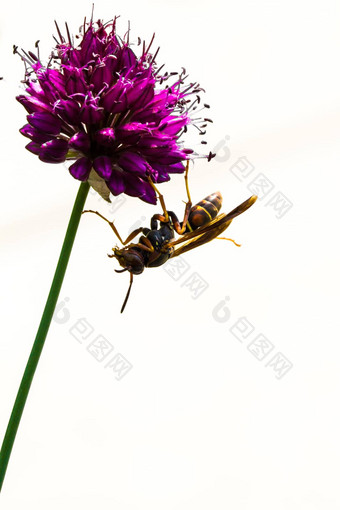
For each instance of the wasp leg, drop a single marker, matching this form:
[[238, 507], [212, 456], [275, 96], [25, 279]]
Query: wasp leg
[[144, 244], [133, 234], [107, 221], [181, 229], [128, 239], [155, 218], [161, 199], [177, 226], [186, 181], [228, 239]]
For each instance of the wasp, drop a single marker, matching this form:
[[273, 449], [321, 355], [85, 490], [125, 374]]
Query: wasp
[[201, 224]]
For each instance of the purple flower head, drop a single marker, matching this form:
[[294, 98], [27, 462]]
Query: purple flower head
[[116, 116]]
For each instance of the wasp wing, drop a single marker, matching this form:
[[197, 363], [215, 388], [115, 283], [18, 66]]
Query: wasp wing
[[210, 231], [203, 238]]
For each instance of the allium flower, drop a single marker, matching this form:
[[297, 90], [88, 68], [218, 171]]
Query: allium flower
[[113, 113]]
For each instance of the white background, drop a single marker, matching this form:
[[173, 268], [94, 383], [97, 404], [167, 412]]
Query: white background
[[198, 422]]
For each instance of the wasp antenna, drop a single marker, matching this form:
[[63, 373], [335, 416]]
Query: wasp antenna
[[228, 239], [119, 270], [128, 293]]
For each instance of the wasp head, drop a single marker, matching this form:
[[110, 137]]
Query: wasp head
[[130, 259]]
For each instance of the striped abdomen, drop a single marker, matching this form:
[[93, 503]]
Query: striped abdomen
[[205, 211]]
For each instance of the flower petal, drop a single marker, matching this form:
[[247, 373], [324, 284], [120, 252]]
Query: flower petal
[[33, 104], [103, 166], [127, 58], [81, 169], [172, 125], [68, 110], [105, 137], [177, 168], [116, 183], [45, 122], [114, 100], [91, 113], [140, 94], [35, 135], [74, 80], [33, 147], [103, 72], [130, 133], [132, 162], [136, 187], [80, 142], [54, 151]]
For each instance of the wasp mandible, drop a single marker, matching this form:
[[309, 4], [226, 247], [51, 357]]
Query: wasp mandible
[[201, 224]]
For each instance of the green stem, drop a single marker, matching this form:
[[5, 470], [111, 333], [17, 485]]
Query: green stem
[[45, 322]]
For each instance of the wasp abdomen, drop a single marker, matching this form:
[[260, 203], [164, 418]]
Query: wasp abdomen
[[205, 211]]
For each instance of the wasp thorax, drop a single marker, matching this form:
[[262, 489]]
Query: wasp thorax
[[130, 259]]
